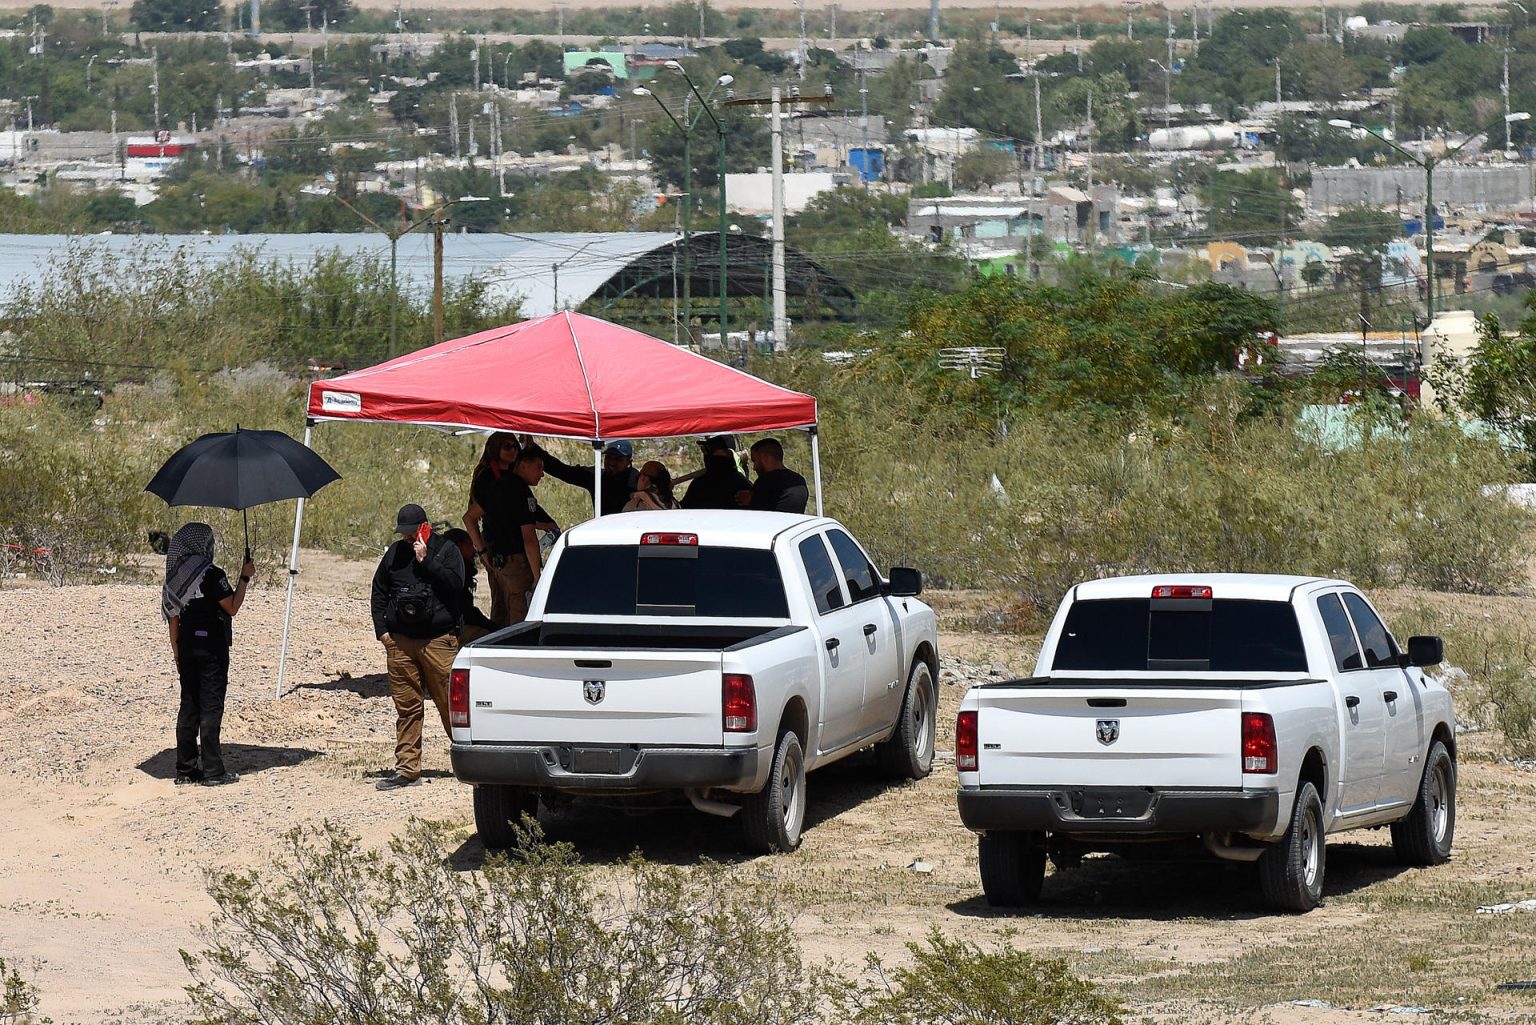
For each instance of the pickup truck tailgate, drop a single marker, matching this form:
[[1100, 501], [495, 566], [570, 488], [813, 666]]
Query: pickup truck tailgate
[[1065, 736], [518, 695]]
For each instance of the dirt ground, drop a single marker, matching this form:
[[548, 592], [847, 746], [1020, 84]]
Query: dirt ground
[[101, 882]]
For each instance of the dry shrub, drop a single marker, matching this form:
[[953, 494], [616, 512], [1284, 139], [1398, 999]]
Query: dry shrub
[[340, 933]]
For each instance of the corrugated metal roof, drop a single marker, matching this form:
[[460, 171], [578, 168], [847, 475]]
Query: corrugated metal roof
[[520, 266]]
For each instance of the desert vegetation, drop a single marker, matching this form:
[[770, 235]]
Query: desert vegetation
[[342, 933], [1116, 438]]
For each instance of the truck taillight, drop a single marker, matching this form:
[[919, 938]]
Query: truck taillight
[[458, 697], [739, 701], [965, 742], [1181, 591], [687, 540], [1260, 752]]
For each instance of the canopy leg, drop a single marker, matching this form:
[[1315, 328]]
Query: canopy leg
[[816, 467], [597, 478], [293, 574]]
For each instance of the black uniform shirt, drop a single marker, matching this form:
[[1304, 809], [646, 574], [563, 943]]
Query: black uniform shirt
[[781, 490], [501, 526], [204, 623]]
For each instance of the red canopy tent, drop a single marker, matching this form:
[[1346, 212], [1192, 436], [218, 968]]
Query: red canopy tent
[[566, 375]]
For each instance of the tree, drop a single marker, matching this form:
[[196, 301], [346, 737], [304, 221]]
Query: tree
[[982, 167], [1316, 71], [1500, 378], [1362, 228], [176, 15], [1249, 208], [749, 50], [1425, 45], [978, 93], [293, 15]]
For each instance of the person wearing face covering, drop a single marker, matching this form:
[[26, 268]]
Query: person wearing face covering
[[198, 605], [722, 479]]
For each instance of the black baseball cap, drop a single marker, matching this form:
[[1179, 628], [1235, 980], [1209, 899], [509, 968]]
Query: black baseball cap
[[409, 518], [718, 442]]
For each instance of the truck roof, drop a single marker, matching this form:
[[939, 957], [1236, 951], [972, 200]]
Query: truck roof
[[1243, 586], [717, 528]]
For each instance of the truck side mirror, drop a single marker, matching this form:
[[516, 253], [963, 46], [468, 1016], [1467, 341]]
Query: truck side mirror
[[904, 583], [1425, 651]]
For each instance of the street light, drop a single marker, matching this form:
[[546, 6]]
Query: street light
[[1429, 164], [687, 132], [1167, 93]]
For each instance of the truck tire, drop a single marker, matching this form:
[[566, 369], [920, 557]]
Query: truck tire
[[1425, 836], [1291, 871], [498, 809], [1012, 867], [772, 819], [908, 754]]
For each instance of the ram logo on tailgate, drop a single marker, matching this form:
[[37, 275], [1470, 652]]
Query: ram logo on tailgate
[[593, 690], [1108, 731]]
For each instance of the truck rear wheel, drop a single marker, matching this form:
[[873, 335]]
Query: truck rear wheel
[[909, 752], [772, 819], [1012, 867], [1291, 871], [498, 810], [1425, 836]]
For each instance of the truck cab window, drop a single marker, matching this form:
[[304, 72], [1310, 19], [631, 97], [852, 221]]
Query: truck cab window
[[1346, 653], [862, 580], [1380, 652], [822, 577]]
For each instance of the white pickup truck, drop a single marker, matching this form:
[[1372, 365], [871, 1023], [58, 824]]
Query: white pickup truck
[[719, 655], [1259, 713]]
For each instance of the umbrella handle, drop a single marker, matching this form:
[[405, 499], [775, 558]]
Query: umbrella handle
[[244, 518]]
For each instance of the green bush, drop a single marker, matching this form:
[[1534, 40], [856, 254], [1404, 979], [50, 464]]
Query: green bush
[[1215, 491], [339, 933], [1490, 667], [955, 982], [18, 998]]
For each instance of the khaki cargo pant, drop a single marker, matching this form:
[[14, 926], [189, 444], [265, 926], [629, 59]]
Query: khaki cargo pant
[[510, 584], [417, 668]]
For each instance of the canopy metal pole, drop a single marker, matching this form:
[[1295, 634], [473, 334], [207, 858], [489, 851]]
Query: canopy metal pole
[[293, 574], [597, 477], [816, 467]]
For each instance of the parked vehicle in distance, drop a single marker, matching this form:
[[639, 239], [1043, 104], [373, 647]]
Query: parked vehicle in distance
[[1259, 713], [720, 655]]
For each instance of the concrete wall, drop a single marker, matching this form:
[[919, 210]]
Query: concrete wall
[[1497, 186]]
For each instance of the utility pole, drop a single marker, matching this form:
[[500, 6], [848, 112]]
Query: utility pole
[[1078, 48], [437, 274], [776, 103], [933, 21], [864, 127], [255, 19], [453, 123], [802, 55], [560, 22], [154, 87], [831, 25], [780, 318], [1505, 90]]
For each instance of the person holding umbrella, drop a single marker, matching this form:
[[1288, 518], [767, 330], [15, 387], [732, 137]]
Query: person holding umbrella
[[198, 604]]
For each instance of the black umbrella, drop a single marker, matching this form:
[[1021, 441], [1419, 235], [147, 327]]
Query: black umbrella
[[239, 469]]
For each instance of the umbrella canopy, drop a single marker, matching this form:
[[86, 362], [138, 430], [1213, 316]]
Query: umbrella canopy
[[239, 469]]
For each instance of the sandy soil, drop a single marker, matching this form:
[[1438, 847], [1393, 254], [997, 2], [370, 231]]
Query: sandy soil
[[101, 880]]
